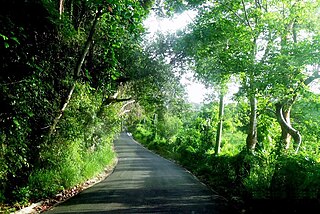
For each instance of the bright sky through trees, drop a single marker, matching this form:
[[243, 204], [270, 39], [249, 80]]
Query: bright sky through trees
[[196, 91], [155, 23]]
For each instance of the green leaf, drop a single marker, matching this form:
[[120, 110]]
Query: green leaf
[[114, 77], [87, 74], [6, 45], [16, 122], [30, 114], [3, 37], [15, 39]]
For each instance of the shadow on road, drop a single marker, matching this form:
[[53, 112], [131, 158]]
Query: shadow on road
[[143, 182]]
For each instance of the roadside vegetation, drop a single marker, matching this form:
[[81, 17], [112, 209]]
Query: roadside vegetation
[[268, 179]]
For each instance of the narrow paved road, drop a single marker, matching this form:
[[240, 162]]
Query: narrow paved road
[[143, 182]]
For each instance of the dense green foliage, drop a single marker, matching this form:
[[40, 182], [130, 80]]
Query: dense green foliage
[[234, 173], [82, 148]]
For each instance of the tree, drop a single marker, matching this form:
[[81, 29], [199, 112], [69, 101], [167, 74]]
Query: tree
[[218, 52], [116, 13], [243, 39], [289, 51]]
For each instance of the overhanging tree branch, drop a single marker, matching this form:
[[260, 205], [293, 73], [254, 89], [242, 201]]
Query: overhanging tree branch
[[111, 100], [315, 75], [128, 103]]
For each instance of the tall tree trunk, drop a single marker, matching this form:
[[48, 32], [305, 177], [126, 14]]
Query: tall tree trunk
[[252, 131], [77, 72], [220, 124]]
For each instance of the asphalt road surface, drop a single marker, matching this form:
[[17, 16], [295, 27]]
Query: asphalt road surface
[[143, 182]]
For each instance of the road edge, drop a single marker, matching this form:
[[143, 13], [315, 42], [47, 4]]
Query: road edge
[[47, 204]]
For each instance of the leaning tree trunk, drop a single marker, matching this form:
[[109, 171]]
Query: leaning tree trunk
[[285, 135], [77, 71], [252, 137], [220, 124]]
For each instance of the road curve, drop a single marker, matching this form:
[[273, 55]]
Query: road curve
[[143, 182]]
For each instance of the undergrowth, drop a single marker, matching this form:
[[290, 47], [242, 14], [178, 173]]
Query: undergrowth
[[81, 148], [246, 178]]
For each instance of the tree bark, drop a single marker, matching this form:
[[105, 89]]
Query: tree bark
[[285, 136], [220, 124], [286, 127], [252, 137], [61, 8], [87, 44]]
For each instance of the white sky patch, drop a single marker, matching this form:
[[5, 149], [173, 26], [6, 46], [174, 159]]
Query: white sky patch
[[262, 46], [315, 87], [154, 23], [233, 88], [196, 91]]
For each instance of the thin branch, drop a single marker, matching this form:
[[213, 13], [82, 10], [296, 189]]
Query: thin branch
[[234, 13], [271, 110], [111, 100], [246, 14], [16, 82], [128, 103], [124, 112], [77, 71], [57, 119], [259, 4], [46, 127], [88, 43], [306, 82], [61, 8]]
